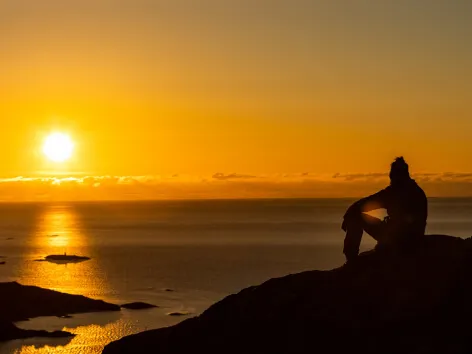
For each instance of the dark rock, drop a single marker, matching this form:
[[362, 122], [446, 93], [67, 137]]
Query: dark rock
[[178, 313], [19, 302], [414, 302], [138, 306], [8, 331], [64, 259], [2, 262]]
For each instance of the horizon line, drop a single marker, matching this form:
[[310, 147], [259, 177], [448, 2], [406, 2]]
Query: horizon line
[[198, 199]]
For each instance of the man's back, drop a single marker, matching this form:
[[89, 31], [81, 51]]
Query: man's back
[[407, 207]]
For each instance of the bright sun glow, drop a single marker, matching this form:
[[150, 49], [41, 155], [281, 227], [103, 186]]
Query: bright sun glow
[[58, 147]]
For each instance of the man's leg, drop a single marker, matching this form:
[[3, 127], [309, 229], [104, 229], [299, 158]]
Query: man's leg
[[374, 227], [355, 226]]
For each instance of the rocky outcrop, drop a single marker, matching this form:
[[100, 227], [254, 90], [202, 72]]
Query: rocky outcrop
[[416, 301], [8, 331], [178, 313], [19, 302], [138, 306]]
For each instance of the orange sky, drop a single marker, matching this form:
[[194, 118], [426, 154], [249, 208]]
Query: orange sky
[[260, 88]]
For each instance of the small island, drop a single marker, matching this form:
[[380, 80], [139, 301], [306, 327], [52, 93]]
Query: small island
[[138, 306], [65, 258], [178, 313]]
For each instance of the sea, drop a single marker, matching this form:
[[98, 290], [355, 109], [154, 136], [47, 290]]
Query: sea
[[182, 256]]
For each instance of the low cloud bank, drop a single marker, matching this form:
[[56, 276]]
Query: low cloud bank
[[222, 185]]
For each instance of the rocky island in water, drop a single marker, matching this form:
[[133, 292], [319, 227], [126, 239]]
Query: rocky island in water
[[19, 303], [64, 258]]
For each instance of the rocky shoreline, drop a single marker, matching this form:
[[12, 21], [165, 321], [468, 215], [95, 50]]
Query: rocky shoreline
[[19, 303]]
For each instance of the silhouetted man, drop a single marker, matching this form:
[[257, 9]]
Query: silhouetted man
[[407, 210]]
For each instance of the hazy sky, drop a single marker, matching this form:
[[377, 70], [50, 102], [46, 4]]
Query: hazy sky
[[254, 87]]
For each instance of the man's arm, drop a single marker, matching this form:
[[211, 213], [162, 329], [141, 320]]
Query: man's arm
[[375, 201]]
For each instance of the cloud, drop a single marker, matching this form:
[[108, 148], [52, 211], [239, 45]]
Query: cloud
[[220, 185], [224, 177], [360, 176]]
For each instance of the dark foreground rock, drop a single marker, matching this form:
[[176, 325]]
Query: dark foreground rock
[[138, 306], [414, 302], [19, 302]]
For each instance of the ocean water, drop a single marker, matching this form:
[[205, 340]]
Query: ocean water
[[180, 255]]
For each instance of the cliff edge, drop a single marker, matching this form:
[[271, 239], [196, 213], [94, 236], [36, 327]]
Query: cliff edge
[[414, 302]]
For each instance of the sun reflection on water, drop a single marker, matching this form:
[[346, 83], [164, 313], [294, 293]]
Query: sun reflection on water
[[58, 231], [89, 339], [93, 331]]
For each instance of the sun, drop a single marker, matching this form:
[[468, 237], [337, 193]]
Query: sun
[[58, 147]]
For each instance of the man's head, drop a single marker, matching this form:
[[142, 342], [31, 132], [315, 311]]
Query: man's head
[[399, 171]]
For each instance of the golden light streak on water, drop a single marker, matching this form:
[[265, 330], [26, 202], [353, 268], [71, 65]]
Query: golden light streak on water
[[58, 231]]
